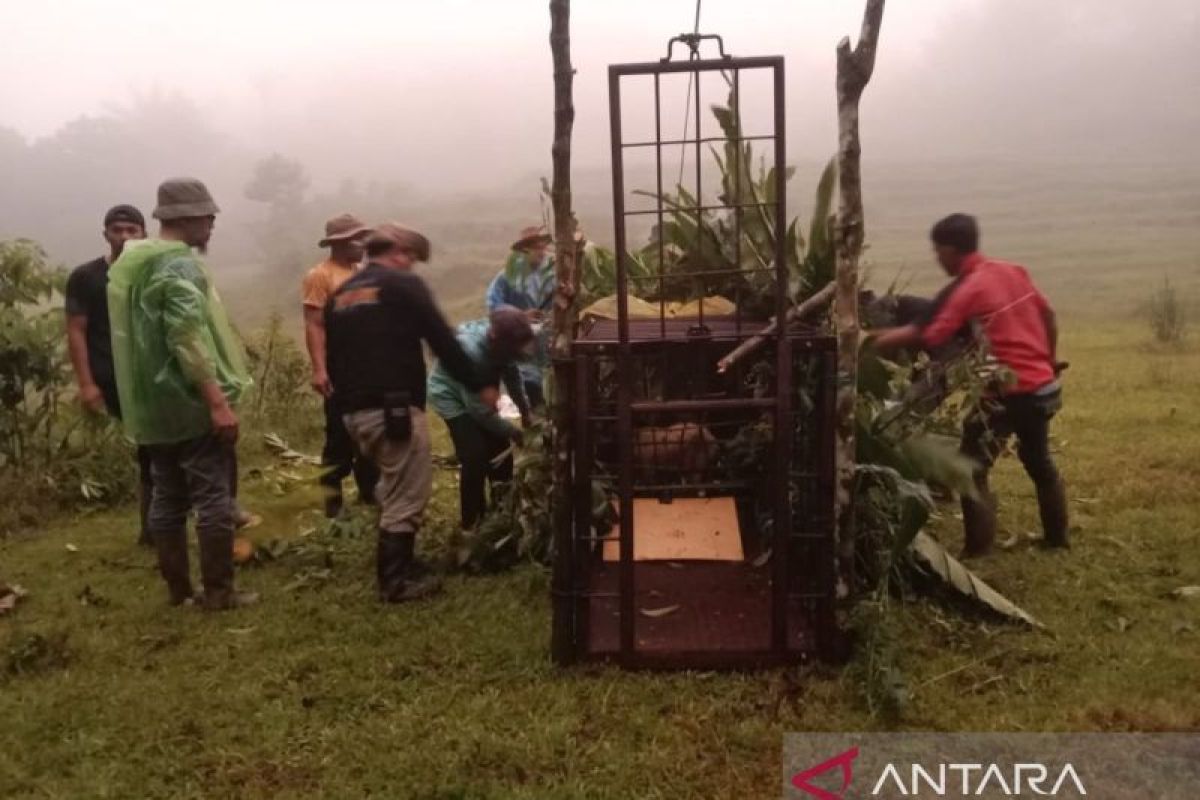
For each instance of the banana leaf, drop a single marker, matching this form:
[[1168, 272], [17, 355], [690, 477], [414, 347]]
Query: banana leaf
[[818, 234], [936, 459], [928, 457], [915, 501], [931, 557], [738, 181]]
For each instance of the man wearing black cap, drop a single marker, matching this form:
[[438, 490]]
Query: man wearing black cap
[[89, 336], [375, 324]]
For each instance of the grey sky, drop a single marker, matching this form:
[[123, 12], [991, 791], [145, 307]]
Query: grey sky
[[458, 91]]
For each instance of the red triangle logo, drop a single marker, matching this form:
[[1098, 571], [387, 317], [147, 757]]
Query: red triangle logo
[[802, 780]]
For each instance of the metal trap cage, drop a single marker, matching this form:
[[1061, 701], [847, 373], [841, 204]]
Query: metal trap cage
[[702, 500]]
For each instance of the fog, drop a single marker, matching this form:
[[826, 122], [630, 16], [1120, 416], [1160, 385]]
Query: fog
[[402, 106]]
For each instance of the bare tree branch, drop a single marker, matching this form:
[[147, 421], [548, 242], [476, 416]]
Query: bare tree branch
[[565, 312], [816, 303], [854, 70]]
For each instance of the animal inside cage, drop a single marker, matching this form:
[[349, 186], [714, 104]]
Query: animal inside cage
[[702, 499]]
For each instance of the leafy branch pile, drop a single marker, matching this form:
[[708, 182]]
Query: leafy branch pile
[[52, 453], [520, 524]]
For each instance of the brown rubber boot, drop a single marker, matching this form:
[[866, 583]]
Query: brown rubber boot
[[979, 521], [216, 572], [1052, 503], [173, 565]]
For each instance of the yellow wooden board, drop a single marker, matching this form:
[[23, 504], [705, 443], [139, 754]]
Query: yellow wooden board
[[606, 308], [703, 529]]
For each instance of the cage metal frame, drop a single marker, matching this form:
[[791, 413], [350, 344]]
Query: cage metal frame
[[571, 613]]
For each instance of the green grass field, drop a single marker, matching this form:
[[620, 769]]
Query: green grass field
[[320, 692]]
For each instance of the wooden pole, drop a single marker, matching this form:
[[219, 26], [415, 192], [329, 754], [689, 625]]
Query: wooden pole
[[565, 313], [854, 69]]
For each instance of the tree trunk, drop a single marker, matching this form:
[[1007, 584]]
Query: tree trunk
[[567, 275], [854, 68]]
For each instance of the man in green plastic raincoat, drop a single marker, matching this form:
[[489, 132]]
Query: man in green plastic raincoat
[[180, 370]]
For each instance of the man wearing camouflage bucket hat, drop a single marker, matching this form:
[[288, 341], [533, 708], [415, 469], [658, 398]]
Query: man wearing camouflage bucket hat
[[180, 369]]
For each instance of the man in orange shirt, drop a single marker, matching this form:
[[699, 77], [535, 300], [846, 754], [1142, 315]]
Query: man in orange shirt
[[344, 236]]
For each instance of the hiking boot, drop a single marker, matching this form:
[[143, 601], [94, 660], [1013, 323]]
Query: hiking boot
[[1052, 504], [979, 522], [173, 565]]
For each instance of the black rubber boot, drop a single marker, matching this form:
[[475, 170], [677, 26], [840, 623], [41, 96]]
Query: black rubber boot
[[1052, 503], [216, 572], [391, 566], [401, 577], [420, 581], [173, 565], [979, 521], [333, 504]]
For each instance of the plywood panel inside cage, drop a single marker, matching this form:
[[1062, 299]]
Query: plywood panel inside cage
[[693, 529]]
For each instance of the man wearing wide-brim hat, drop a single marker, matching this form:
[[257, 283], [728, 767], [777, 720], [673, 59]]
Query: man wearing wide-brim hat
[[527, 283], [344, 236], [180, 370]]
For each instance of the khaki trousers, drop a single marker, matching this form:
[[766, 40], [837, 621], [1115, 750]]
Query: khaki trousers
[[405, 468]]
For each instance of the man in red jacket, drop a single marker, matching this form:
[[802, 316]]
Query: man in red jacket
[[1006, 310]]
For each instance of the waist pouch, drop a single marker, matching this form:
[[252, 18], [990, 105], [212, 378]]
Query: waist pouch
[[397, 416]]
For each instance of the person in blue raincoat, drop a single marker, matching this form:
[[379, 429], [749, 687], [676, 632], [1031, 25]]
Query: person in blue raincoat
[[527, 283], [495, 347]]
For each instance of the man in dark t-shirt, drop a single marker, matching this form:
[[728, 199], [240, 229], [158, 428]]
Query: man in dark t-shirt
[[89, 336]]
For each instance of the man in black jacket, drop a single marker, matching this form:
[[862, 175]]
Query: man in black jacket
[[375, 324]]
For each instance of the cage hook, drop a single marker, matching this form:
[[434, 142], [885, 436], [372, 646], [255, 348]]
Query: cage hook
[[693, 40]]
